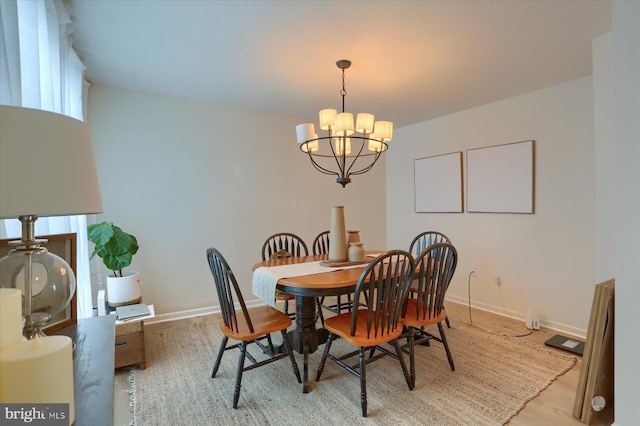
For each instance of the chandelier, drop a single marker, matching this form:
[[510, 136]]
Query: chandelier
[[347, 149]]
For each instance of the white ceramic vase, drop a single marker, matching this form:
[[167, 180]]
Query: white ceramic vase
[[337, 236], [356, 252], [123, 290], [353, 236]]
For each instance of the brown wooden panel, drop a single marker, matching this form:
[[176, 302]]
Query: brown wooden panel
[[129, 327], [596, 375], [129, 349]]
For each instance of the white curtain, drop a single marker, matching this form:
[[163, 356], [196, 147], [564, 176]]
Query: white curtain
[[39, 69]]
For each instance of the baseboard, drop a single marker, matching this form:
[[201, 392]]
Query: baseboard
[[194, 313], [520, 316]]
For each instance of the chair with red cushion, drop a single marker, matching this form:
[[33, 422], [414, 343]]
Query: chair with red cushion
[[246, 325], [383, 286]]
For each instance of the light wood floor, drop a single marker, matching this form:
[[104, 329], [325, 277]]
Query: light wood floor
[[554, 406]]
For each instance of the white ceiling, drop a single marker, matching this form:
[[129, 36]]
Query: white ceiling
[[412, 60]]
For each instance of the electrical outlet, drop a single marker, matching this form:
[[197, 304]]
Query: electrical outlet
[[532, 319], [498, 278], [473, 271]]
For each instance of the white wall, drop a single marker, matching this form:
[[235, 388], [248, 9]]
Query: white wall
[[626, 65], [546, 259], [605, 156], [183, 176]]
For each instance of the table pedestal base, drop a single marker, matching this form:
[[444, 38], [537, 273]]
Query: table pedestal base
[[315, 339], [306, 338]]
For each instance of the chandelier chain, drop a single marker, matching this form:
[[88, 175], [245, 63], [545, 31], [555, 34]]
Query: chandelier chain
[[343, 92]]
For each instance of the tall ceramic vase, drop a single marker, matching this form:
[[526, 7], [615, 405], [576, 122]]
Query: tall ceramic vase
[[337, 236]]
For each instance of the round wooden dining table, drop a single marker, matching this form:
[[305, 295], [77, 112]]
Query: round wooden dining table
[[336, 281]]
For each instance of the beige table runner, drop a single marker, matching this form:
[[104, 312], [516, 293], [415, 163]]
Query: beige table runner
[[265, 278]]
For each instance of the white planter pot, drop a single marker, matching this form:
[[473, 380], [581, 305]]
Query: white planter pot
[[123, 290]]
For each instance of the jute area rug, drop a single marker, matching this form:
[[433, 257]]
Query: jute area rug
[[495, 377]]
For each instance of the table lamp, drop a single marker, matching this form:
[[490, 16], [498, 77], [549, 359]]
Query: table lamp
[[47, 168]]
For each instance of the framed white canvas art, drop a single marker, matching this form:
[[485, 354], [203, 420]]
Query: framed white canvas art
[[500, 179], [438, 184]]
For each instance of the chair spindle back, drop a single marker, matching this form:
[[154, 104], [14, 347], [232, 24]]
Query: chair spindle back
[[227, 289], [425, 239], [435, 266], [284, 242], [384, 287], [321, 243]]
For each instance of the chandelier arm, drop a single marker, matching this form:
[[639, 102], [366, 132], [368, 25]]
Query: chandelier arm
[[340, 162], [321, 169], [369, 167], [366, 169], [364, 140]]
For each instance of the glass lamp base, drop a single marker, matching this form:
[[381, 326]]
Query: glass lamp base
[[47, 284]]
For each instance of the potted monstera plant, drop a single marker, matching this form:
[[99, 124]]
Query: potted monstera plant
[[116, 248]]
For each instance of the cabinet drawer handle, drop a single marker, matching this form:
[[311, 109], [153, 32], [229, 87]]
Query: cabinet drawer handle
[[121, 343]]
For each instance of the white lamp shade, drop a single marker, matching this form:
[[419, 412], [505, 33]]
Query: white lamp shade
[[47, 167], [343, 144], [384, 130], [326, 118], [310, 146], [305, 132], [364, 122], [374, 145], [343, 124]]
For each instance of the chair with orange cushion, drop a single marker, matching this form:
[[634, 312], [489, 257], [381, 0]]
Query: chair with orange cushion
[[284, 244], [384, 286], [421, 242], [435, 266], [246, 325], [425, 239], [321, 243]]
